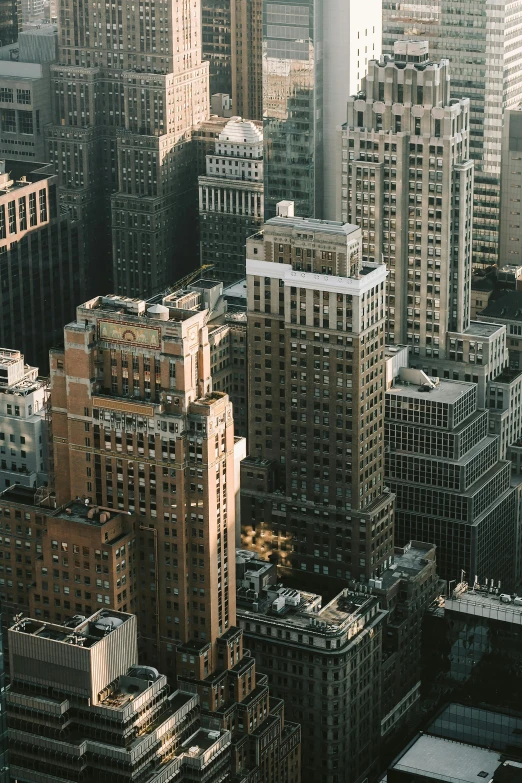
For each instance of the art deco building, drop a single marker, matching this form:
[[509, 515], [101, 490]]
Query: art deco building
[[139, 432], [41, 261], [407, 180], [314, 493], [247, 48], [485, 62], [314, 54], [127, 90], [231, 199]]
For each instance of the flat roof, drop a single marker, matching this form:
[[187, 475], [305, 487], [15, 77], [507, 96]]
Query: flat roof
[[438, 758], [313, 225], [408, 562], [482, 603], [446, 391], [507, 306], [482, 329]]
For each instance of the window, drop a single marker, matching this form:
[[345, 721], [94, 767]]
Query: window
[[43, 205], [32, 209], [23, 96], [25, 122], [8, 120], [6, 95]]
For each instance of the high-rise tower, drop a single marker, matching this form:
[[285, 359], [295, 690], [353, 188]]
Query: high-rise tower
[[314, 489], [137, 427], [314, 55], [483, 42], [405, 177], [127, 90]]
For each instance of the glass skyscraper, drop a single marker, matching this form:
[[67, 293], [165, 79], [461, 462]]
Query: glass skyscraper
[[306, 86], [483, 42]]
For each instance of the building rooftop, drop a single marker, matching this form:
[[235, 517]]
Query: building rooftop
[[442, 759], [313, 225], [480, 602], [445, 391], [508, 306], [79, 630], [409, 562], [480, 329], [239, 131]]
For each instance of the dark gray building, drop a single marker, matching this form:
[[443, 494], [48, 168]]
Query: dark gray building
[[42, 275], [324, 661], [450, 487], [216, 43]]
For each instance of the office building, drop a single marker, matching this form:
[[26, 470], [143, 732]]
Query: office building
[[140, 429], [216, 43], [247, 58], [8, 22], [434, 759], [119, 542], [314, 56], [404, 125], [405, 590], [450, 486], [485, 67], [125, 163], [313, 490], [80, 705], [510, 237], [324, 661], [472, 648], [23, 440], [25, 109], [231, 199], [41, 262], [59, 561]]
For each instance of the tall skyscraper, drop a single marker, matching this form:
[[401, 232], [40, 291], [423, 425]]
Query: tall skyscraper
[[510, 241], [314, 55], [216, 44], [8, 22], [486, 67], [314, 494], [127, 90], [406, 179], [231, 199], [247, 68], [137, 428], [41, 261]]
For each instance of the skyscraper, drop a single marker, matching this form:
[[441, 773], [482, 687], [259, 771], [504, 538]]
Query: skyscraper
[[231, 198], [314, 494], [314, 55], [8, 22], [247, 68], [127, 90], [484, 45], [216, 44], [137, 428], [42, 270], [406, 179]]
